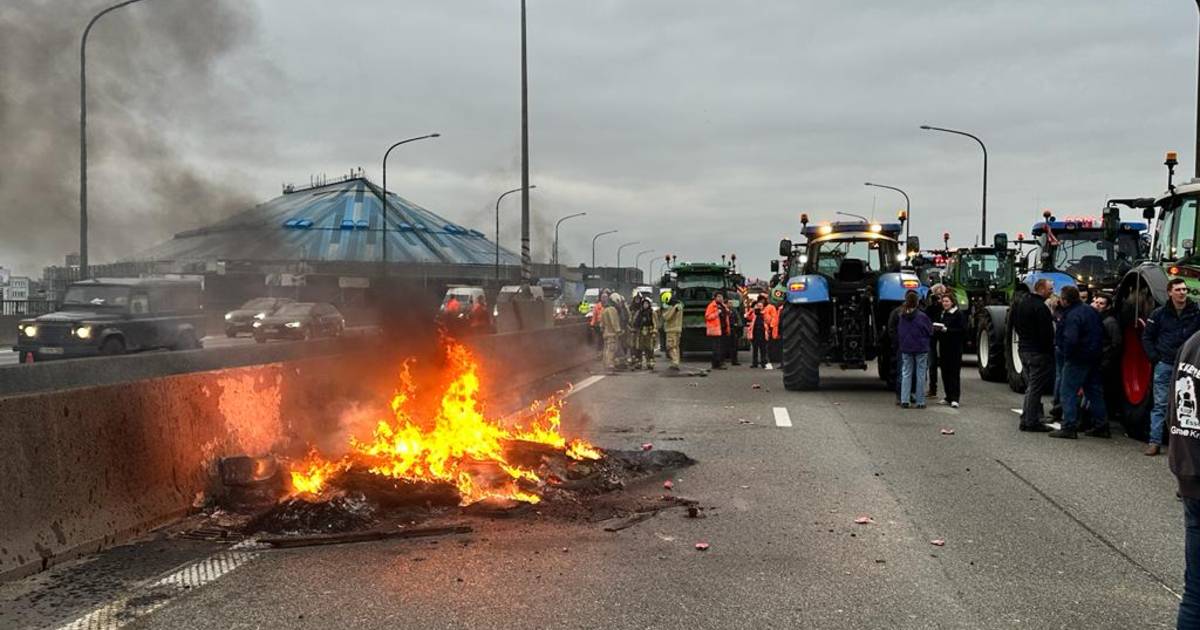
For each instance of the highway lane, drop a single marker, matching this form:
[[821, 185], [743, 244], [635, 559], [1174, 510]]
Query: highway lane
[[1038, 532]]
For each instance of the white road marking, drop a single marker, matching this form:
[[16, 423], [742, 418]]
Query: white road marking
[[585, 383], [782, 419], [150, 597]]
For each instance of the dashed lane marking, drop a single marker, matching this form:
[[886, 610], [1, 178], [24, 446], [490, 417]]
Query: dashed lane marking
[[585, 383], [782, 419], [154, 595]]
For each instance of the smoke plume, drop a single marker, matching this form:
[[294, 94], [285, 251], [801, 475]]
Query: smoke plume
[[155, 87]]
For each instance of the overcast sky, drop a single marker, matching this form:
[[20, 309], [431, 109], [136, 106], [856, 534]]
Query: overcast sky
[[697, 127]]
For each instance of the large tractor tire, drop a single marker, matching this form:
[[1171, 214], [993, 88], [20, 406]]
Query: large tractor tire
[[1012, 359], [1137, 391], [802, 348], [990, 346]]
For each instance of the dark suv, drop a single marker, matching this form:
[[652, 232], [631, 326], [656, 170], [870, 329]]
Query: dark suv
[[115, 316], [300, 320]]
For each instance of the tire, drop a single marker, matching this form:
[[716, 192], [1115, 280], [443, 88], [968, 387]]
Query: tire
[[990, 346], [1012, 359], [1137, 391], [802, 348], [887, 362], [112, 346]]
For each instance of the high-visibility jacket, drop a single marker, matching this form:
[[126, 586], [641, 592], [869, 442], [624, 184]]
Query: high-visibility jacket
[[712, 320], [597, 309], [772, 316], [752, 316]]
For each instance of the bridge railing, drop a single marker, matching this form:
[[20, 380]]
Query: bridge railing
[[27, 308]]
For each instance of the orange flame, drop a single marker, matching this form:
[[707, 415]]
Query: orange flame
[[460, 447]]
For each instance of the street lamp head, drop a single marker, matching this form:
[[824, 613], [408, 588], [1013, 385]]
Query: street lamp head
[[868, 184], [435, 135], [532, 186], [926, 127]]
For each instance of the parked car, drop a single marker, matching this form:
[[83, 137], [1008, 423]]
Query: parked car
[[241, 320], [114, 316], [300, 320]]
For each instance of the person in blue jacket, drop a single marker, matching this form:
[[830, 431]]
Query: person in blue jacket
[[915, 332], [1168, 327], [1079, 340]]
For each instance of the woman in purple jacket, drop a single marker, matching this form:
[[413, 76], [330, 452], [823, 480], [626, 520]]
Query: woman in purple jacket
[[915, 331]]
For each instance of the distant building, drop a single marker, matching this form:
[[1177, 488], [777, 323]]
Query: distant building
[[16, 289]]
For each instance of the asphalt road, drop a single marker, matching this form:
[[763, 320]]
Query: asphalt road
[[1038, 533]]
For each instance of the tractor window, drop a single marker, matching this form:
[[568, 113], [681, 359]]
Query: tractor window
[[983, 269], [831, 254], [1088, 257], [1182, 227]]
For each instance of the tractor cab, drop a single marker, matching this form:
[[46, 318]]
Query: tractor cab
[[1084, 251], [847, 257], [982, 275]]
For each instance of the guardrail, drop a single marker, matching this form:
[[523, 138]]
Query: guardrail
[[27, 308]]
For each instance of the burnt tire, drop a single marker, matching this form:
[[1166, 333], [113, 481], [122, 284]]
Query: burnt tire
[[1012, 360], [801, 329], [990, 346], [112, 346]]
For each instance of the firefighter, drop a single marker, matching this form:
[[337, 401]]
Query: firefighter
[[643, 326], [672, 322], [611, 328]]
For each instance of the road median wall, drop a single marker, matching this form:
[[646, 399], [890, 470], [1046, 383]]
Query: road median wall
[[87, 466]]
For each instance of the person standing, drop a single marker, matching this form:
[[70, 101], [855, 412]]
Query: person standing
[[647, 321], [733, 333], [1080, 343], [1034, 326], [758, 330], [950, 330], [771, 313], [716, 326], [915, 331], [893, 328], [1183, 455], [481, 317], [611, 327], [1110, 361], [672, 318], [934, 311], [1168, 327]]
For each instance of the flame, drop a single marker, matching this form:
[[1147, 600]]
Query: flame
[[460, 446]]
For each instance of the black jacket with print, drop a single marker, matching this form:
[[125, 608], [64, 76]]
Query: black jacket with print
[[1183, 419]]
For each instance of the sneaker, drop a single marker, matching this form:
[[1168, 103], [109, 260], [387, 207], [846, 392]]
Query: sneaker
[[943, 402], [1098, 432], [904, 405], [954, 405], [1066, 434], [920, 405], [769, 367]]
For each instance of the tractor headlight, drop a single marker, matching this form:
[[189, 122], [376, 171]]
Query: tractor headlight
[[84, 332], [292, 324], [228, 316], [30, 330]]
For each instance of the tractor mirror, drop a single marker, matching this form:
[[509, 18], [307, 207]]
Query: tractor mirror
[[1188, 246], [913, 245], [665, 281], [1000, 241], [774, 266], [1148, 214], [785, 247], [1111, 222]]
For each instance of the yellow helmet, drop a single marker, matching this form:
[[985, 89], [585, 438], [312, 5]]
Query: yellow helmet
[[665, 296]]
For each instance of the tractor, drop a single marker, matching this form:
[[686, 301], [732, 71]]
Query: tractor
[[841, 285], [1172, 255], [694, 284], [982, 280], [1081, 251]]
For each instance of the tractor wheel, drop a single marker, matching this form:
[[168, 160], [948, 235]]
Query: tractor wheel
[[802, 348], [1137, 391], [990, 348], [1012, 359]]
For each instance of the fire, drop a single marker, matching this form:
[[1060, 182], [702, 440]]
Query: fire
[[460, 445]]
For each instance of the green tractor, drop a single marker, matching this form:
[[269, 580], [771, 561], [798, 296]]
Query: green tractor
[[694, 284], [983, 280], [1173, 254]]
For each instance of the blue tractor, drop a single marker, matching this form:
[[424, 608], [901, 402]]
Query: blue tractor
[[842, 284]]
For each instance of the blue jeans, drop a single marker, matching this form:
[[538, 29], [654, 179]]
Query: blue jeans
[[1189, 608], [914, 364], [1085, 375], [1162, 396]]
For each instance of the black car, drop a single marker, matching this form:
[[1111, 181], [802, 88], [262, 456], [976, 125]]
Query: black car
[[241, 320], [300, 320], [115, 316]]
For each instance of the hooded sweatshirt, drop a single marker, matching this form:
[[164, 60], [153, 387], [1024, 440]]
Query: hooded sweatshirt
[[915, 331], [1183, 419]]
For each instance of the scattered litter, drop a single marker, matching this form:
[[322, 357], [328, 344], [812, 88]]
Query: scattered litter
[[668, 484], [947, 431], [702, 546], [938, 542], [565, 550], [756, 386], [744, 421], [647, 446], [744, 487], [694, 512], [664, 537], [864, 520], [618, 524]]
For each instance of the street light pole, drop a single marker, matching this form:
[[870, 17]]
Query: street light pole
[[1196, 156], [594, 246], [498, 226], [558, 223], [983, 236], [83, 217], [637, 258], [907, 204], [525, 260], [386, 203], [623, 247]]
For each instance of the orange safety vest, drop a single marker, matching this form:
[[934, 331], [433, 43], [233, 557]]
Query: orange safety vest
[[596, 311], [772, 315], [712, 320]]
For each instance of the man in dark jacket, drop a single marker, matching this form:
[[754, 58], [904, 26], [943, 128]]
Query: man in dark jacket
[[893, 327], [934, 311], [1034, 327], [1183, 455], [1080, 342], [1110, 362], [1168, 327]]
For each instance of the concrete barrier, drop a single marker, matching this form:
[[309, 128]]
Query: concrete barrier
[[87, 467]]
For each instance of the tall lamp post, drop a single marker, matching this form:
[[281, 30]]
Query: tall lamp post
[[558, 223], [83, 186], [907, 204], [386, 202], [983, 236], [498, 199], [525, 260], [637, 258], [594, 246], [623, 247]]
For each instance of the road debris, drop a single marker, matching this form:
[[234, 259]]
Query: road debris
[[756, 386], [947, 431], [287, 542], [938, 542], [647, 446], [668, 484], [864, 520], [701, 546], [618, 524]]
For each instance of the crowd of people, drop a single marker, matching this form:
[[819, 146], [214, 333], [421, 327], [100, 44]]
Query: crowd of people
[[927, 339]]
